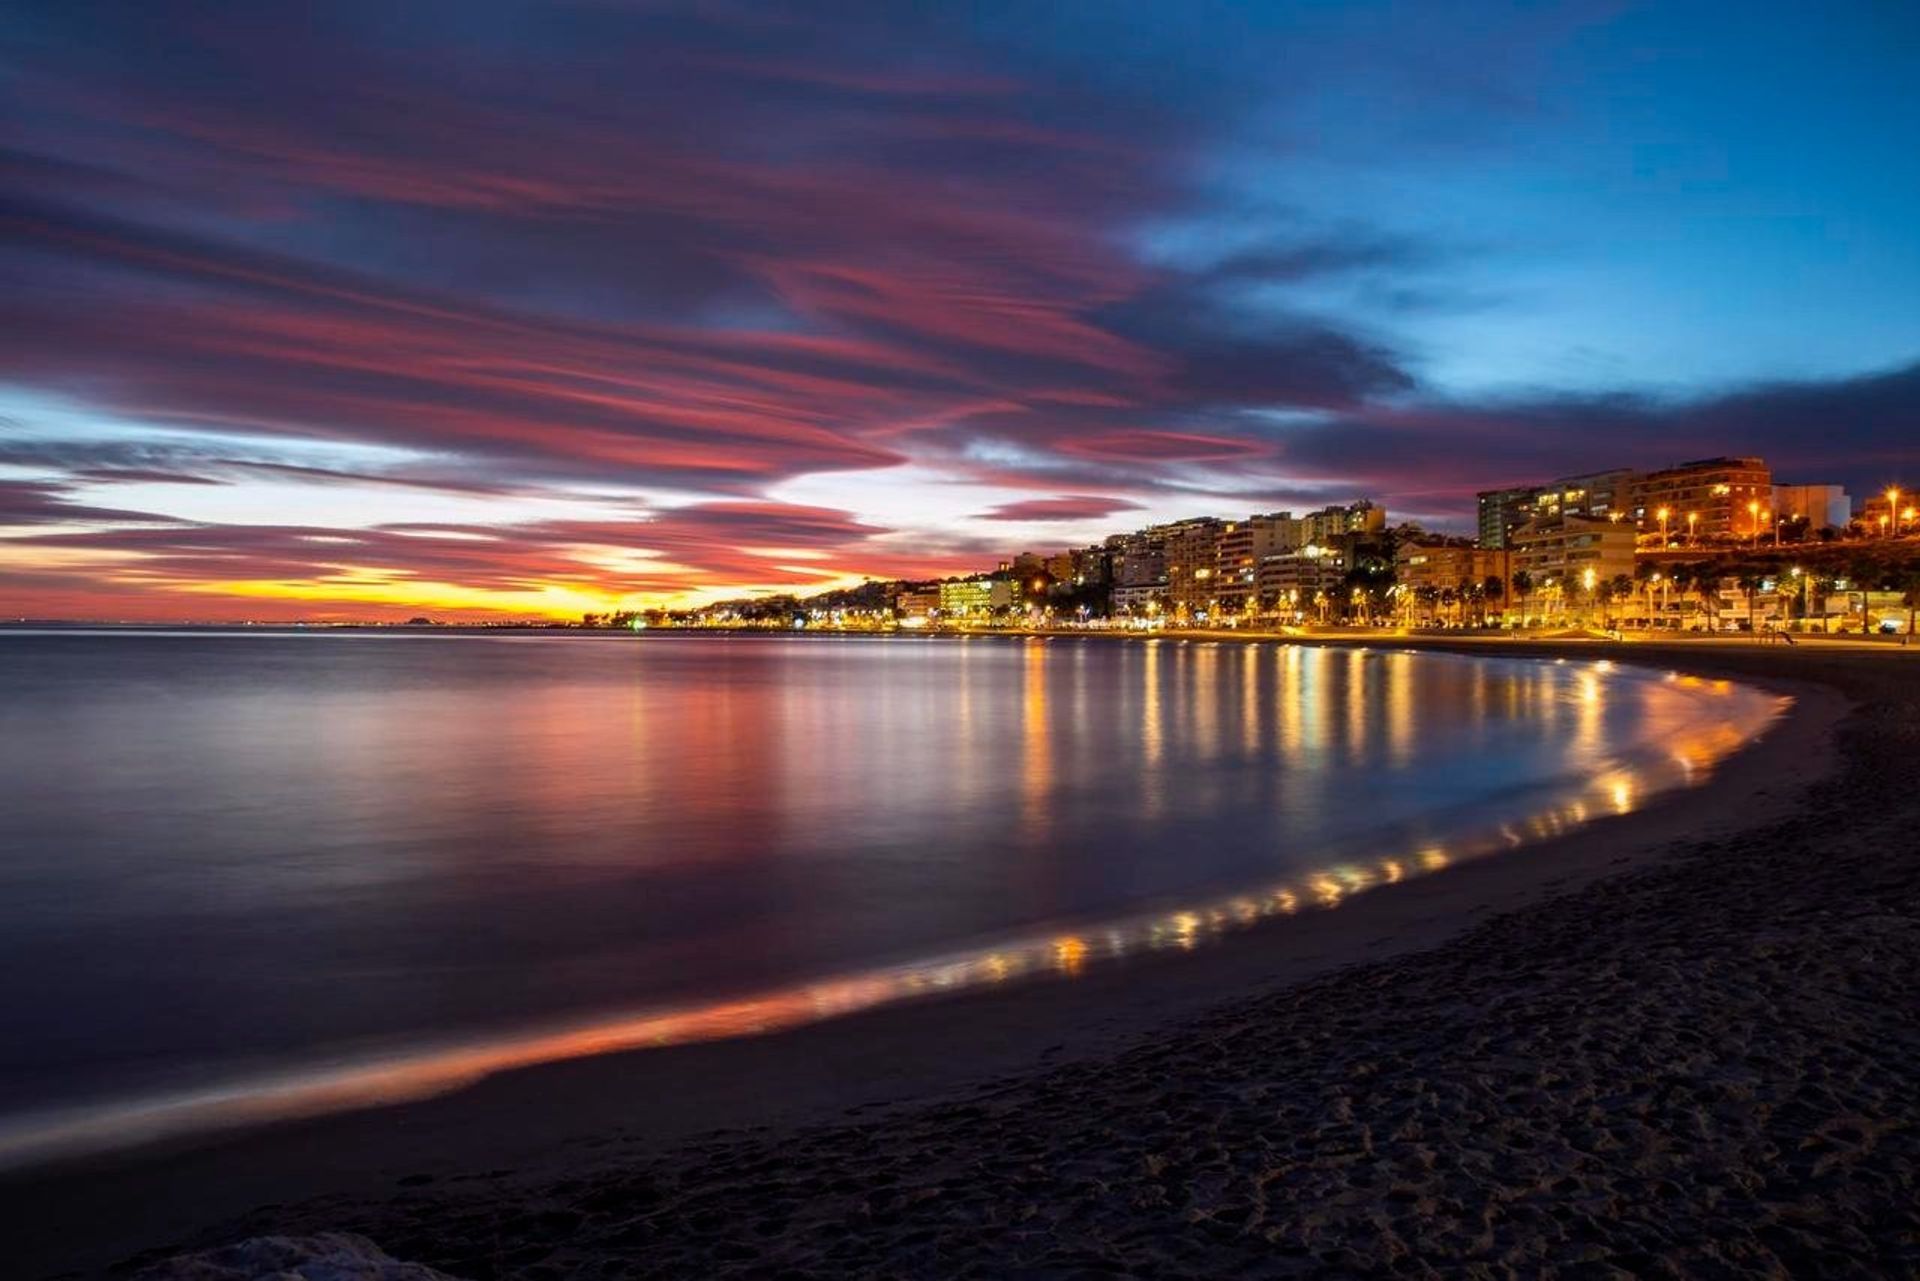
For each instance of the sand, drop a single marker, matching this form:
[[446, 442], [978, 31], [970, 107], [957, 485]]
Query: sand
[[1683, 1043]]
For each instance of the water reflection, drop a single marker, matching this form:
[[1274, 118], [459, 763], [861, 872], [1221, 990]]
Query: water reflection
[[1065, 955], [471, 838], [1036, 753]]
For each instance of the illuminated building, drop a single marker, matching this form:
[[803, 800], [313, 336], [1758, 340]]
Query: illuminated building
[[1091, 565], [1561, 549], [1816, 507], [1243, 545], [1137, 569], [1136, 598], [1504, 510], [1713, 499], [1330, 523], [1605, 495], [975, 597], [1444, 564], [1192, 551], [1298, 576], [1890, 513], [917, 602]]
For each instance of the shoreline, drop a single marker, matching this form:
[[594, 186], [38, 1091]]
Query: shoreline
[[1718, 721], [552, 1121]]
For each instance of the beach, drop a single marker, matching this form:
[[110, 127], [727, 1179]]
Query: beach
[[1677, 1042]]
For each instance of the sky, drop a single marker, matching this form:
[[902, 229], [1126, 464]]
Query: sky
[[486, 309]]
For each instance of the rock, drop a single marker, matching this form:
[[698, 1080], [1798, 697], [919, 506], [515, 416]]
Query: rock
[[327, 1256]]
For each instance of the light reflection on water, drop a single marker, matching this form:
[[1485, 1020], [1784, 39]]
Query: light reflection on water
[[1149, 796]]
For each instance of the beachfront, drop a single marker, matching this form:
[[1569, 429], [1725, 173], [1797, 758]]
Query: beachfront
[[1676, 1043]]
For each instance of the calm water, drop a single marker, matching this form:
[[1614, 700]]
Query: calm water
[[227, 855]]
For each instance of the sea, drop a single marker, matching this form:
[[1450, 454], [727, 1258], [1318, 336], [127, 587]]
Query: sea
[[242, 868]]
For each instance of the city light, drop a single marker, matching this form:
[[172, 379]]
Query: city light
[[1344, 566]]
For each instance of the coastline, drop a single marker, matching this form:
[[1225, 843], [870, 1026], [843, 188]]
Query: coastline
[[539, 1128]]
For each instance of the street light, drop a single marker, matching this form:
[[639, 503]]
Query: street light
[[1753, 521], [1893, 506], [1692, 519], [1663, 513]]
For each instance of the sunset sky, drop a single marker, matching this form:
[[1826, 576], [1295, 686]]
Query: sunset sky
[[370, 310]]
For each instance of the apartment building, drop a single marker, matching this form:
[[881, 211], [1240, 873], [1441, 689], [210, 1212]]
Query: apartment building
[[1562, 550], [1708, 500]]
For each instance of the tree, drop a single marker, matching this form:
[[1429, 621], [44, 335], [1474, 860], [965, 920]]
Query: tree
[[1814, 598], [1705, 576], [1681, 576], [1619, 587], [1522, 586], [1863, 571], [1749, 579], [1425, 598], [1491, 591]]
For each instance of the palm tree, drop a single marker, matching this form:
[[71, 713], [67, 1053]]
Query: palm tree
[[1706, 578], [1681, 576], [1619, 587], [1749, 579], [1863, 570], [1491, 590], [1522, 585]]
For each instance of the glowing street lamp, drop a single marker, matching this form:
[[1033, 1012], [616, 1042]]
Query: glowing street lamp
[[1893, 506], [1692, 520], [1663, 513]]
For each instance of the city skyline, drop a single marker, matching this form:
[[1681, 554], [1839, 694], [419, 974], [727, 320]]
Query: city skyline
[[500, 310]]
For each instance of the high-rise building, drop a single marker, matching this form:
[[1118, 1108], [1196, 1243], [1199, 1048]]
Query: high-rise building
[[1562, 550], [1091, 566], [1709, 500], [1243, 545], [1138, 559], [1192, 551], [1294, 582], [1504, 510], [1329, 523], [1605, 495]]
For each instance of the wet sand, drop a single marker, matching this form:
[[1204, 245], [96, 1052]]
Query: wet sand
[[1679, 1041]]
